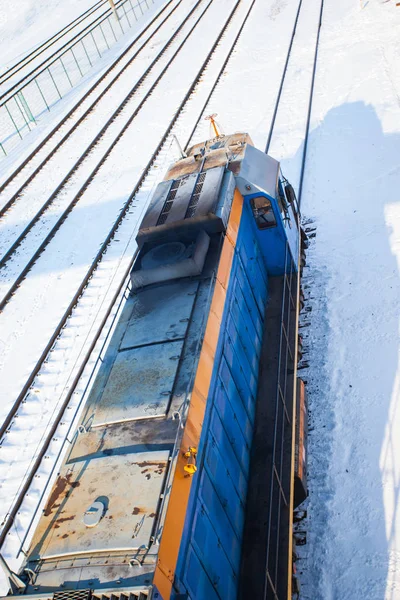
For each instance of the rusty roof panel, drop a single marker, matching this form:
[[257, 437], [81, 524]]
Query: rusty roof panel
[[140, 384], [160, 314], [129, 508]]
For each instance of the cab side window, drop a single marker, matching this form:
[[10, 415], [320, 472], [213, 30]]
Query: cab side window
[[263, 212]]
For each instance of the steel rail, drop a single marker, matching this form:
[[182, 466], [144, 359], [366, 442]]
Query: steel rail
[[310, 103], [7, 255], [310, 98], [105, 155], [14, 510], [30, 56], [278, 98], [187, 144], [56, 55], [76, 107], [71, 112]]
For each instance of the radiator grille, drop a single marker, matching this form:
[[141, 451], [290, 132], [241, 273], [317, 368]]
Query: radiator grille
[[134, 594], [72, 595], [194, 200], [126, 595], [169, 202]]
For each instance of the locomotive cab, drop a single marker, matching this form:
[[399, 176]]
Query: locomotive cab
[[198, 190]]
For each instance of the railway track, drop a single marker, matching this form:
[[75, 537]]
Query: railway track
[[24, 79], [14, 184], [39, 52], [289, 86], [186, 118], [41, 229]]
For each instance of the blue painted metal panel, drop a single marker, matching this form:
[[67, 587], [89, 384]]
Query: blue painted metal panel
[[256, 315], [224, 487], [272, 241], [197, 581], [245, 381], [252, 269], [215, 515], [232, 465], [237, 426], [236, 329], [213, 556], [226, 538], [247, 306], [244, 323], [223, 527], [234, 393]]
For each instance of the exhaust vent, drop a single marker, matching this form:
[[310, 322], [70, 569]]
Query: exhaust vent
[[172, 260], [187, 203]]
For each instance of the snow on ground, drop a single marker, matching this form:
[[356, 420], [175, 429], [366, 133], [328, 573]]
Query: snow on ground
[[352, 193], [27, 23], [48, 120]]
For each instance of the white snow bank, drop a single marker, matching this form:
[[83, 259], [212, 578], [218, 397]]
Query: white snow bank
[[352, 193], [27, 23]]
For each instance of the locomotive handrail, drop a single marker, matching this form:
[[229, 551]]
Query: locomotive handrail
[[83, 396]]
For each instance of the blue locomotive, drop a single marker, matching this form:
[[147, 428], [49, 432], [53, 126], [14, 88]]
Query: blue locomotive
[[188, 461]]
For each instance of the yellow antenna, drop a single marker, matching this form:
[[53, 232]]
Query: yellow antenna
[[213, 125]]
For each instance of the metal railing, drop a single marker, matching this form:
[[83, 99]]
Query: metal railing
[[49, 43], [20, 111]]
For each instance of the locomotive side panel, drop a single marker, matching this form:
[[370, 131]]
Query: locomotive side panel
[[214, 533]]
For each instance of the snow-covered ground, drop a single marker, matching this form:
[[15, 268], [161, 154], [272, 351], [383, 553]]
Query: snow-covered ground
[[351, 194], [27, 23]]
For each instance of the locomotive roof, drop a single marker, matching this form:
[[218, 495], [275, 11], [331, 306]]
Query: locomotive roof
[[237, 153]]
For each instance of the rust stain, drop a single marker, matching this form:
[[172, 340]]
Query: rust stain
[[65, 519], [64, 536], [137, 510], [152, 515], [148, 463], [59, 488]]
